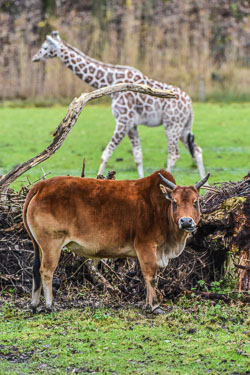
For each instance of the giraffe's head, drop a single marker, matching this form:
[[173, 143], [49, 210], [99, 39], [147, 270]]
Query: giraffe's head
[[49, 47]]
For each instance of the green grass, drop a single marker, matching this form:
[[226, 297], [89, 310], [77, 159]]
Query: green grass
[[222, 130], [193, 338]]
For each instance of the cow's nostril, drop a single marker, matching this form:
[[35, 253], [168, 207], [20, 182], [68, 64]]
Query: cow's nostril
[[186, 222]]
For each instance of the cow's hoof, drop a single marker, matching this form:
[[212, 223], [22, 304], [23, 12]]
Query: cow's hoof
[[33, 309], [158, 310], [49, 309]]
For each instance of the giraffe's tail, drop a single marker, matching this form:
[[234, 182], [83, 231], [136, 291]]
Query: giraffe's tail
[[189, 135], [191, 144]]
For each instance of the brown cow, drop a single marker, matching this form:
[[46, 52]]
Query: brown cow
[[109, 219]]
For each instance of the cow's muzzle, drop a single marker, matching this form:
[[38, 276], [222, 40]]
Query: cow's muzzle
[[187, 224]]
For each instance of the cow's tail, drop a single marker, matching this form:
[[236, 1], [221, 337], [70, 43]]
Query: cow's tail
[[37, 261]]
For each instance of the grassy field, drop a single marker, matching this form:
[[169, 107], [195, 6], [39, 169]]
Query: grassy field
[[222, 130], [194, 338]]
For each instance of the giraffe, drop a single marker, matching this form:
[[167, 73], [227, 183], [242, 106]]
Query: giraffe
[[131, 109]]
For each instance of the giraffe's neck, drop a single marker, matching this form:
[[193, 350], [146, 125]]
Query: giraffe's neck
[[94, 72]]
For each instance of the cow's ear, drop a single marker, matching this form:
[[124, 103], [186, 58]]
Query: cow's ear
[[166, 191]]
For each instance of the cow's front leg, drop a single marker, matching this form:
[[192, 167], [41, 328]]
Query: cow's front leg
[[147, 257]]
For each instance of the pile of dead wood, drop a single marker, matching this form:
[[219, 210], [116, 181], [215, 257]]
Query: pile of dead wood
[[221, 244], [224, 229]]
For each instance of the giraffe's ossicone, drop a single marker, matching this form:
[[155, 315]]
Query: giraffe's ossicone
[[131, 109]]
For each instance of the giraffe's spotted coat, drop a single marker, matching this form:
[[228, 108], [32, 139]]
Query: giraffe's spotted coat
[[130, 109]]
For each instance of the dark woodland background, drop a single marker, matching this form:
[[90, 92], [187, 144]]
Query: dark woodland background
[[174, 41]]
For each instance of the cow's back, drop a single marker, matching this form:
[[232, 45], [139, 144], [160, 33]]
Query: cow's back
[[101, 216], [98, 216]]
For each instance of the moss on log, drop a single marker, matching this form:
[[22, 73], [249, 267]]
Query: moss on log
[[225, 228]]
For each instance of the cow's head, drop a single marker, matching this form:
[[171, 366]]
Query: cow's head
[[49, 48], [185, 208]]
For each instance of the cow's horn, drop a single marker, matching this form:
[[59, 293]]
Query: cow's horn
[[202, 182], [170, 184]]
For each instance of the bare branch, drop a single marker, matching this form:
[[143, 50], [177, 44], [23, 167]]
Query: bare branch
[[69, 121]]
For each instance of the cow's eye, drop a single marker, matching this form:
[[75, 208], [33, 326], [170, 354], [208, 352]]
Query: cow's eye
[[196, 205], [174, 205]]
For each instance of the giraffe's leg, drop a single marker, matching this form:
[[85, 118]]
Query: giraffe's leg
[[119, 133], [195, 151], [172, 134], [187, 138], [173, 155], [137, 152]]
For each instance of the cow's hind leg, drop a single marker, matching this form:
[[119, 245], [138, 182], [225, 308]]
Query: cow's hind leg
[[147, 259], [50, 258], [36, 294]]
